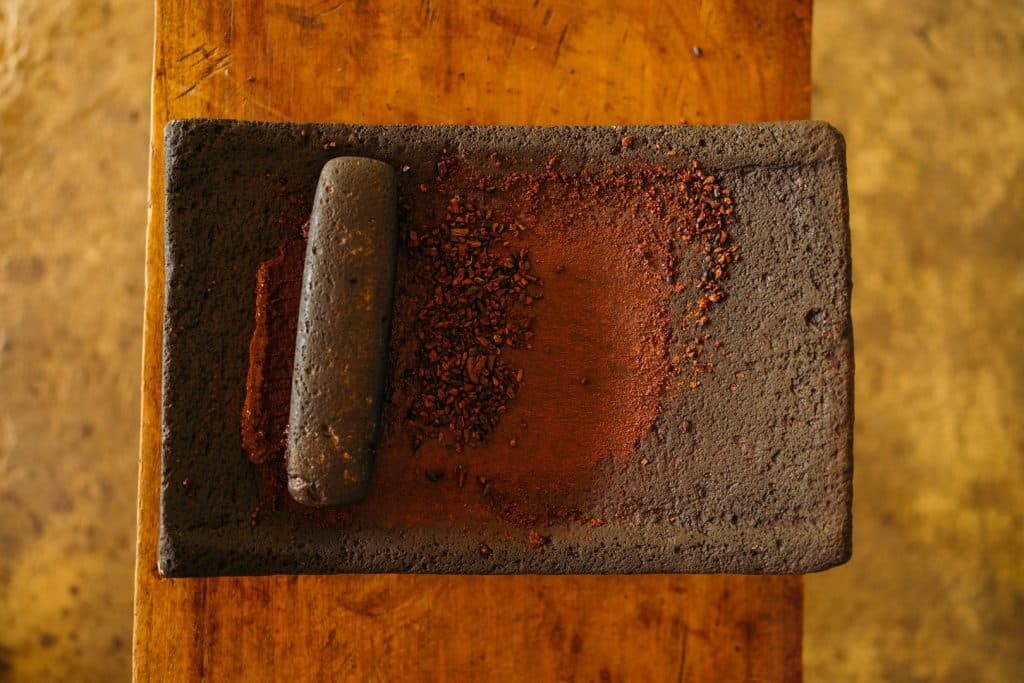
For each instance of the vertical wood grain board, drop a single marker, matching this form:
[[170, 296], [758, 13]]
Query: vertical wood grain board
[[511, 62]]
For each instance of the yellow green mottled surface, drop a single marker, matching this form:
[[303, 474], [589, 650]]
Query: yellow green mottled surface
[[931, 98], [74, 84]]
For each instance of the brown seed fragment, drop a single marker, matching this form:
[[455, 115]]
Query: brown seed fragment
[[475, 288], [538, 540]]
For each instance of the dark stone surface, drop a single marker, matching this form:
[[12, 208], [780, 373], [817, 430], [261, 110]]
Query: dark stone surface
[[344, 323], [761, 483]]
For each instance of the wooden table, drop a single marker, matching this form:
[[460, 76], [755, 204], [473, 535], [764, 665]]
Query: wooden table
[[497, 61]]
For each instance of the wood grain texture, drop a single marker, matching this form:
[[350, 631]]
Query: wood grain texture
[[509, 62]]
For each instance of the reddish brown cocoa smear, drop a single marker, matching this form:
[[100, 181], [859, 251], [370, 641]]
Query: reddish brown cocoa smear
[[272, 350], [532, 340]]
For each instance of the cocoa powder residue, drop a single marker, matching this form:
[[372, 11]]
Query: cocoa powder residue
[[666, 228], [272, 343], [674, 221], [595, 290]]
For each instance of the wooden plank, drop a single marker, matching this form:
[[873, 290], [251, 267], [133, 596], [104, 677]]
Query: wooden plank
[[517, 62]]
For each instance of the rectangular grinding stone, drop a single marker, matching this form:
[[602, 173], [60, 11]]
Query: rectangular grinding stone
[[751, 473]]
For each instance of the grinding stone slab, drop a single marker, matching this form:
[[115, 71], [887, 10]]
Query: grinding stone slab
[[751, 473]]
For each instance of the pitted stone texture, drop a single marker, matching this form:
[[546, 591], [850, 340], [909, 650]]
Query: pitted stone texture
[[760, 484], [344, 322]]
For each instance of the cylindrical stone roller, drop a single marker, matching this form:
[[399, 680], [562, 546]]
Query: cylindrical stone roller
[[342, 340]]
